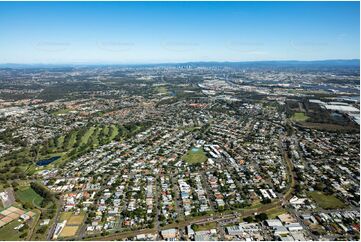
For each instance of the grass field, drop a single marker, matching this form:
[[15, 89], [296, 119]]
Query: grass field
[[195, 156], [207, 226], [69, 231], [76, 219], [161, 89], [71, 218], [28, 195], [105, 130], [326, 201], [86, 136], [60, 141], [65, 216], [8, 232], [113, 131], [72, 140], [72, 223], [299, 117], [62, 111], [273, 213], [94, 139]]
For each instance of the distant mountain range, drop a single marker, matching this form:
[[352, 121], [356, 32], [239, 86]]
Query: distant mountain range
[[241, 64]]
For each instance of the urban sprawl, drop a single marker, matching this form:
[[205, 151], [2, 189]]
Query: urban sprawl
[[180, 152]]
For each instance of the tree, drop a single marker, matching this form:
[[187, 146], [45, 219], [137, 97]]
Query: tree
[[23, 235], [266, 200], [42, 230], [248, 219], [261, 217]]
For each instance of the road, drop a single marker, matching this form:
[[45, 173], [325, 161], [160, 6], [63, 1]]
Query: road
[[219, 218], [157, 203], [34, 224], [56, 219]]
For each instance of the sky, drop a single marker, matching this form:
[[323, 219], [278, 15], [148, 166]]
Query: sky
[[159, 32]]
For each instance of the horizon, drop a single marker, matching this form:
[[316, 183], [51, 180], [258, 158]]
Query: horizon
[[187, 62], [126, 33]]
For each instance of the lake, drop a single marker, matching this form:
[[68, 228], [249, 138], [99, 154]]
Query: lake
[[47, 161]]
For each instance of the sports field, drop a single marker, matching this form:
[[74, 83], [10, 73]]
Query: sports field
[[76, 219], [73, 223], [299, 117], [69, 231], [195, 156]]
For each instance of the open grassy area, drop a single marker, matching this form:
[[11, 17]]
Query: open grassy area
[[72, 223], [195, 156], [7, 232], [273, 213], [113, 132], [95, 137], [326, 201], [61, 111], [60, 141], [299, 117], [71, 218], [69, 231], [68, 146], [28, 195], [65, 216], [256, 204], [105, 130], [203, 227], [86, 136], [76, 219], [161, 89], [72, 140]]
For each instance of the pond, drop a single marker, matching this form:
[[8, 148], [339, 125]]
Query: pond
[[195, 149], [47, 161]]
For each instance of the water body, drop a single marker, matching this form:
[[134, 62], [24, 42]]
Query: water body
[[47, 161], [195, 149]]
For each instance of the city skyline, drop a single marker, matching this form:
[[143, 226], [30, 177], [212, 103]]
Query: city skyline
[[151, 32]]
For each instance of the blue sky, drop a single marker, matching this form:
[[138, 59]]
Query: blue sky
[[151, 32]]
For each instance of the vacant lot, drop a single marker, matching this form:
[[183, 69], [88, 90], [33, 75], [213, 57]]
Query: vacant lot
[[28, 195], [195, 156], [326, 201], [299, 117]]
